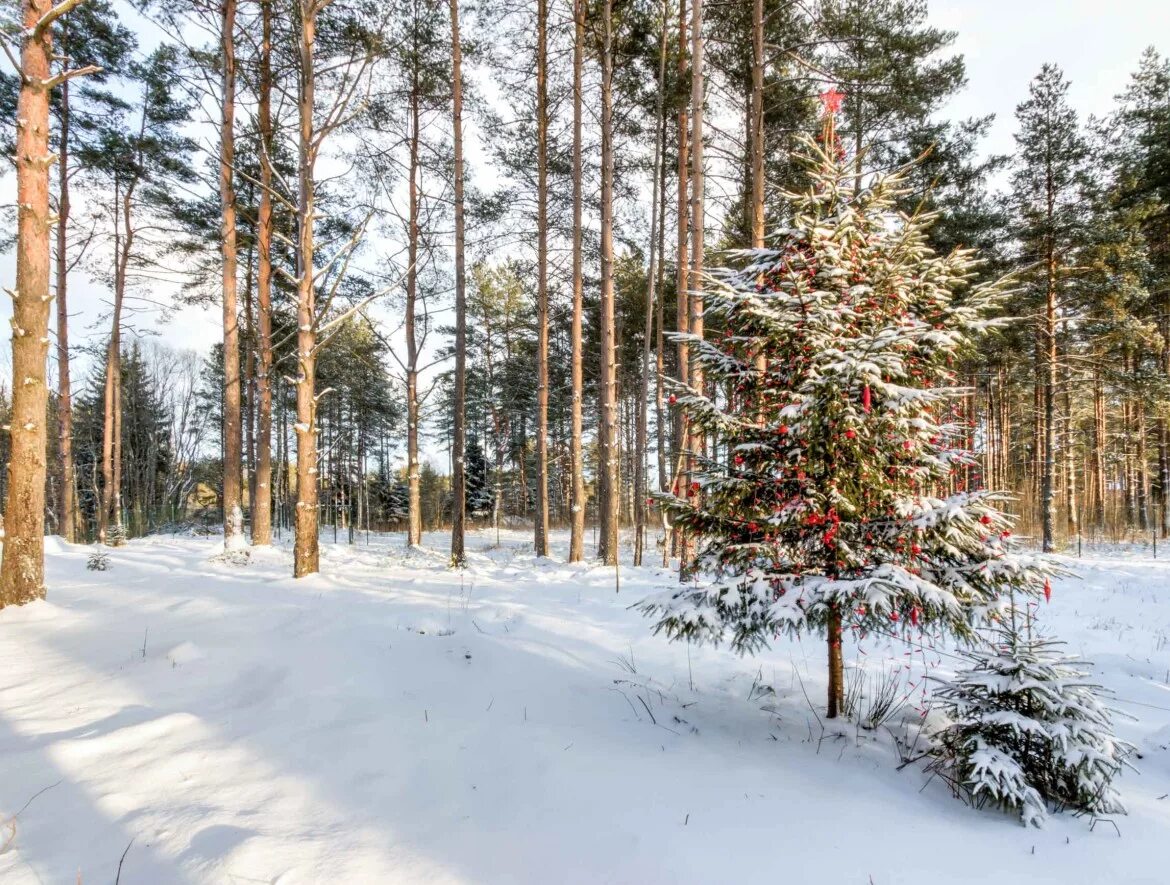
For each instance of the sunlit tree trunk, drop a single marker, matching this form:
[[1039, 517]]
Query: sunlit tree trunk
[[540, 539], [576, 453], [641, 485], [458, 472], [414, 499], [22, 574], [262, 493], [233, 512], [306, 559], [68, 516], [682, 302], [608, 452], [695, 441]]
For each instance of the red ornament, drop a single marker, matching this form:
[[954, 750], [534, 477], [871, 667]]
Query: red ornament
[[865, 398], [893, 616], [784, 429], [850, 434], [1047, 590], [695, 487], [914, 616], [985, 519], [915, 549], [673, 399], [832, 99]]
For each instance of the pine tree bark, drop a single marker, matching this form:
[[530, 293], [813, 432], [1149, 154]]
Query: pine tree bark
[[413, 489], [233, 511], [124, 237], [1072, 505], [660, 416], [262, 494], [68, 515], [1098, 455], [641, 485], [836, 702], [608, 450], [696, 442], [306, 556], [576, 452], [757, 151], [541, 522], [682, 298], [757, 128], [458, 471], [22, 572], [1047, 487]]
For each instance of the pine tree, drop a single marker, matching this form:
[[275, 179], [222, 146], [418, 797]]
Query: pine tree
[[894, 68], [829, 509], [1028, 729], [1046, 191]]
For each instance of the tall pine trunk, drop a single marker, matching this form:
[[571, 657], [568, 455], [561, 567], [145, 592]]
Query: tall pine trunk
[[757, 127], [608, 448], [22, 574], [111, 505], [414, 499], [68, 516], [306, 559], [682, 303], [541, 522], [576, 453], [696, 442], [458, 471], [233, 511], [1047, 485], [641, 485], [262, 493]]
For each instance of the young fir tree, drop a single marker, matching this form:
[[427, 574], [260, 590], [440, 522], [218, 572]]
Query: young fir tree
[[831, 507], [1028, 730]]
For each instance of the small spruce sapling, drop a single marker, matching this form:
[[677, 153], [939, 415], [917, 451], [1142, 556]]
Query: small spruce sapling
[[1028, 730]]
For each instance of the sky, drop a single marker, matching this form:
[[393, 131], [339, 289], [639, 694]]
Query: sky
[[1004, 43]]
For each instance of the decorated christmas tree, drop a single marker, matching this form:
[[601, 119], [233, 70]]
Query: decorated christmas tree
[[1028, 729], [830, 496]]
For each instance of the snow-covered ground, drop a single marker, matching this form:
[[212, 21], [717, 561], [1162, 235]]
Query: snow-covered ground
[[393, 721]]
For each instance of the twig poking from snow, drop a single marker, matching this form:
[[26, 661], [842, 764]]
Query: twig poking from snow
[[34, 796], [121, 860], [10, 823], [648, 713], [808, 701], [628, 701], [1105, 820]]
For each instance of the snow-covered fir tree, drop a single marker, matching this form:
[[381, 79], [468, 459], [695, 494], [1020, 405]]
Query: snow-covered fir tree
[[1028, 729], [830, 497], [478, 496]]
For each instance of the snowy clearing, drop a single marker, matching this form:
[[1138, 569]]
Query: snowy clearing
[[390, 720]]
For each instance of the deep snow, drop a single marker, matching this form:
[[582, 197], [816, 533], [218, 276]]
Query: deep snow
[[391, 720]]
